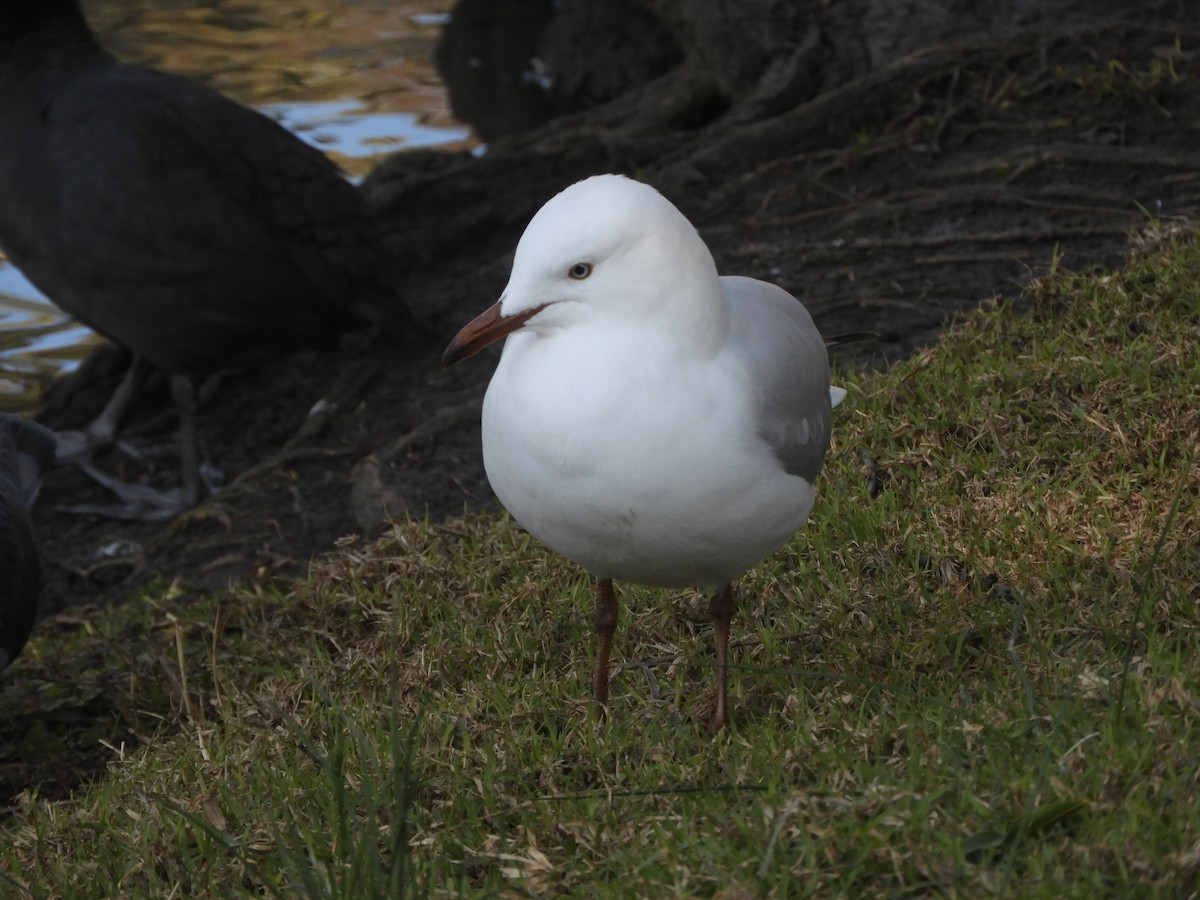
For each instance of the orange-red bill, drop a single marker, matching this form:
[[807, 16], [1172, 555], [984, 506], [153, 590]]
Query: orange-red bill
[[486, 328]]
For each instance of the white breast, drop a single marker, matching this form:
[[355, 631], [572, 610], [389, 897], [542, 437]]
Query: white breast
[[631, 475]]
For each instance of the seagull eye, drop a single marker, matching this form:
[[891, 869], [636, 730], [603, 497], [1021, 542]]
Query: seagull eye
[[579, 271]]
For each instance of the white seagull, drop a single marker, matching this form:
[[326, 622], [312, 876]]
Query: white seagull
[[649, 419]]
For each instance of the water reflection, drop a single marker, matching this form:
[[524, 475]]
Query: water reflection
[[354, 79], [354, 136]]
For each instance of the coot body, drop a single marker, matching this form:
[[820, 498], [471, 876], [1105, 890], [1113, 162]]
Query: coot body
[[192, 230]]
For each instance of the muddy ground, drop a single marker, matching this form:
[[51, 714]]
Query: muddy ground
[[888, 203]]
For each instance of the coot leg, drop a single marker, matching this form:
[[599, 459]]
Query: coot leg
[[74, 446], [183, 389], [100, 432]]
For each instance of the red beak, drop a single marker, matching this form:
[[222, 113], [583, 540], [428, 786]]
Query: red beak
[[486, 328]]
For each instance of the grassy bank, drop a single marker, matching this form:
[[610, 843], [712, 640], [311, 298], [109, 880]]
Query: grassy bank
[[974, 671]]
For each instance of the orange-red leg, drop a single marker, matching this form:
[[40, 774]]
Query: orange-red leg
[[720, 610], [606, 627]]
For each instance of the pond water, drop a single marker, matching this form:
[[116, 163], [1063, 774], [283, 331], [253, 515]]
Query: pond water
[[353, 77]]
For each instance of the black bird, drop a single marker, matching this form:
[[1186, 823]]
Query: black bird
[[192, 230], [26, 452]]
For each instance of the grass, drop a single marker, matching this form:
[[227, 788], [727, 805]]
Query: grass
[[972, 673]]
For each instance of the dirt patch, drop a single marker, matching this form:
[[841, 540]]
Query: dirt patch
[[888, 203]]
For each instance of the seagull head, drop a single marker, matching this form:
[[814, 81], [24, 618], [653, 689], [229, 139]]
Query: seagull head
[[605, 249]]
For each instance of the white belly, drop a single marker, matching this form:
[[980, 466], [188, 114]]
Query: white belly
[[651, 477]]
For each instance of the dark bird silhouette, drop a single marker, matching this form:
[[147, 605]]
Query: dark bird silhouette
[[26, 452], [191, 230]]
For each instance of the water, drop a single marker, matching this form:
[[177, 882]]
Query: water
[[354, 78]]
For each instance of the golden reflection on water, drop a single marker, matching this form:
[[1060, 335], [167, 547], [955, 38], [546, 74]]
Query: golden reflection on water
[[57, 342], [262, 52], [378, 53]]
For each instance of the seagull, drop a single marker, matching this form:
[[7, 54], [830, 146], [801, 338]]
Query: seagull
[[650, 420], [191, 230], [26, 453]]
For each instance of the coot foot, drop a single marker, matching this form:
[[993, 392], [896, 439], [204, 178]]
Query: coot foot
[[139, 502]]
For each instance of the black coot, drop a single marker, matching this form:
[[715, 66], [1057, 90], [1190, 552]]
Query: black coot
[[194, 231], [26, 452]]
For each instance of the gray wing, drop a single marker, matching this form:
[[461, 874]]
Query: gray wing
[[785, 358]]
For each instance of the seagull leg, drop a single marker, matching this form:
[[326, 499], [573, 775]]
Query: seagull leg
[[720, 610], [606, 627], [184, 392]]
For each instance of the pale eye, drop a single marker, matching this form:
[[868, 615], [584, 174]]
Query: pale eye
[[579, 271]]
